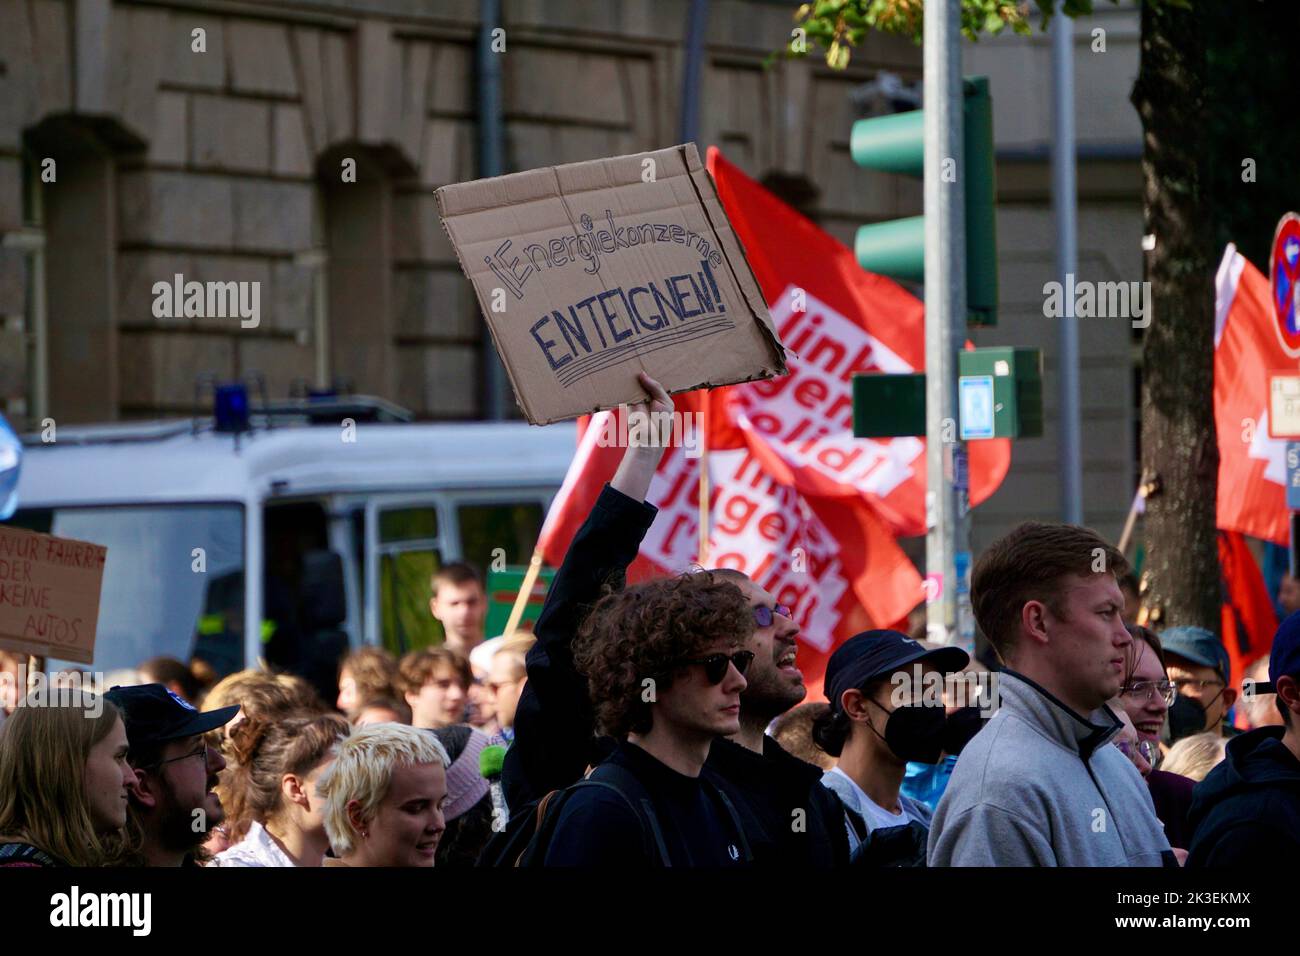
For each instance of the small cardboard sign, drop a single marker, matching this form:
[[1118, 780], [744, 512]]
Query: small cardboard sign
[[590, 272], [49, 594]]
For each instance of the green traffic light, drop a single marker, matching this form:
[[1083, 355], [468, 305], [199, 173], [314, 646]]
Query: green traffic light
[[896, 144]]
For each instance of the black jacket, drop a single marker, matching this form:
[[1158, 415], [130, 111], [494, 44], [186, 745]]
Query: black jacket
[[598, 828], [1247, 809], [790, 819]]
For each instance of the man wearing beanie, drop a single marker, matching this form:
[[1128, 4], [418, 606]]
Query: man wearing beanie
[[1247, 810]]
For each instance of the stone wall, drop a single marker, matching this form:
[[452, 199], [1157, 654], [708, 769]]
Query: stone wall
[[225, 165]]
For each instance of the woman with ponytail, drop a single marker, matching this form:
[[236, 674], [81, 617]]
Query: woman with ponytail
[[275, 813]]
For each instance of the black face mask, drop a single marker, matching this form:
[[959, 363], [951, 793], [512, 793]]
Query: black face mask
[[915, 732], [1186, 717]]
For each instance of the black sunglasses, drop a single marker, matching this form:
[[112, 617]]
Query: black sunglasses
[[715, 665]]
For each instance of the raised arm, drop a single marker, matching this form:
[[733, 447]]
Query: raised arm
[[554, 727]]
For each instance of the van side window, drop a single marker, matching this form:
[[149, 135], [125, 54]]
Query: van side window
[[410, 553], [510, 526]]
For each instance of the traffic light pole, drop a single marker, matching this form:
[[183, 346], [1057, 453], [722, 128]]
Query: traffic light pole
[[947, 540]]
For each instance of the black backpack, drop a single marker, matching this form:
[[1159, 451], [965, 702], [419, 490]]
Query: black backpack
[[528, 835], [889, 846]]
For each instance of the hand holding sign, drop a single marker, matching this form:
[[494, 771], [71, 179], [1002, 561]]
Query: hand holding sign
[[636, 470]]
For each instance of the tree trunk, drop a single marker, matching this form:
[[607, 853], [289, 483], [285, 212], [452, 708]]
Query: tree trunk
[[1179, 445]]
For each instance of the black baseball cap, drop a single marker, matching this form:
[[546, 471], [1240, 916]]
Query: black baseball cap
[[154, 715], [871, 654]]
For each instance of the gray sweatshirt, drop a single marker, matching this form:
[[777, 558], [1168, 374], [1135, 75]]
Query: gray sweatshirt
[[1040, 786]]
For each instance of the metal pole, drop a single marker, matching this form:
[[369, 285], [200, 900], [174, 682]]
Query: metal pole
[[491, 163], [947, 548], [1064, 208], [689, 130]]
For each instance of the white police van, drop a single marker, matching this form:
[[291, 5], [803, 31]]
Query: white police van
[[339, 510]]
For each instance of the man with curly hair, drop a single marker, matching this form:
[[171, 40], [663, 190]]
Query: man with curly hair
[[665, 665], [790, 819]]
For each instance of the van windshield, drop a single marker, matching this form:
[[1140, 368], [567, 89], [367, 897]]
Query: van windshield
[[173, 580]]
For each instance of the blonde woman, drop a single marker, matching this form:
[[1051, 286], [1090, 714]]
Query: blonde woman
[[1195, 756], [383, 797], [64, 782], [277, 804]]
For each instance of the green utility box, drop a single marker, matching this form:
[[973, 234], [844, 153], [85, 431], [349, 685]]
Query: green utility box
[[888, 406], [1000, 393]]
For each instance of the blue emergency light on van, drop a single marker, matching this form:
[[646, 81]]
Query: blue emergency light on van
[[230, 405]]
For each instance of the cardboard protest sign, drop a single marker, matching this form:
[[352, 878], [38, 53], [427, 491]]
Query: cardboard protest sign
[[49, 594], [590, 272]]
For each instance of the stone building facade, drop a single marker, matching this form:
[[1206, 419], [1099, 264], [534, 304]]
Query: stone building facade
[[210, 138]]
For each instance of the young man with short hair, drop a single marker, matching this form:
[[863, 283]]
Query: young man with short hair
[[435, 682], [1199, 667], [459, 603], [1246, 812], [665, 664], [173, 802], [1037, 786]]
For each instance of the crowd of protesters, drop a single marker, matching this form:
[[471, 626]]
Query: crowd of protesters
[[664, 723]]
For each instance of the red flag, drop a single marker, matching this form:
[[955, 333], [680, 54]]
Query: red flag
[[838, 320], [1248, 618], [1247, 350], [809, 512]]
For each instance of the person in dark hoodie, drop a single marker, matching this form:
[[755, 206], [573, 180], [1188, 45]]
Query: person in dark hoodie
[[1247, 810], [790, 819], [665, 662]]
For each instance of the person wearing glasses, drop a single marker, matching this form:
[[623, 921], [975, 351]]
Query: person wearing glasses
[[665, 663], [1144, 700], [1201, 672], [879, 721], [555, 733], [173, 801], [506, 679]]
